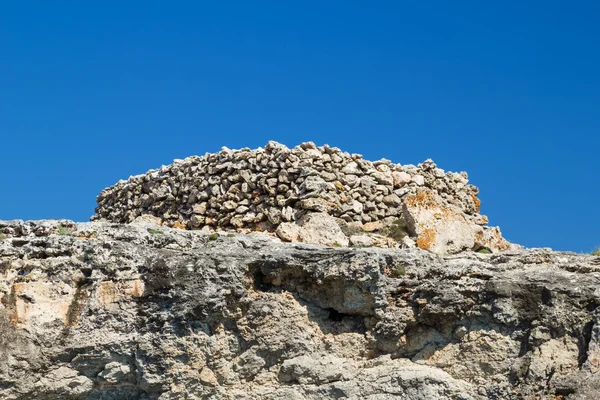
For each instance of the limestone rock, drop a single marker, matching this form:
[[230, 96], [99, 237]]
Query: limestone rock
[[373, 226], [314, 228], [308, 370], [147, 219], [115, 372], [126, 312], [440, 228], [400, 178], [491, 238], [351, 168], [320, 228], [63, 382], [362, 240], [419, 180], [288, 231]]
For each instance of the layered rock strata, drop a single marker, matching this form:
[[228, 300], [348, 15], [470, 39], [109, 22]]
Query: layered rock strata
[[265, 189], [111, 311]]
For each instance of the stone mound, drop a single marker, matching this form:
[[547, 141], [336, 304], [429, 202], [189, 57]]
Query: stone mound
[[313, 194]]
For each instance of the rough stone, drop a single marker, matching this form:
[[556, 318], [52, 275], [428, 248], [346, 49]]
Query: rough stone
[[147, 219], [440, 228], [373, 226], [288, 231], [362, 241], [351, 168], [321, 228], [400, 178], [419, 180], [114, 311], [253, 190]]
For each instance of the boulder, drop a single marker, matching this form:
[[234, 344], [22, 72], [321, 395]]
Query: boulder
[[440, 228], [314, 228], [362, 240], [147, 219]]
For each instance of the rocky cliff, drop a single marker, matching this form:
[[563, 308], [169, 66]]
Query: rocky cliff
[[112, 311]]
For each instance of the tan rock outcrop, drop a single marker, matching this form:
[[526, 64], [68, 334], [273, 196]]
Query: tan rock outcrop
[[109, 311]]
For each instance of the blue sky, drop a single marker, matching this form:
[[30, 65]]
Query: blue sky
[[91, 93]]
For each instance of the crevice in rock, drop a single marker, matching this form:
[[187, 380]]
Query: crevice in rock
[[352, 297], [17, 242], [550, 374], [334, 315], [584, 342], [260, 282], [6, 385], [546, 296], [329, 318], [525, 345], [563, 393], [591, 305], [81, 294]]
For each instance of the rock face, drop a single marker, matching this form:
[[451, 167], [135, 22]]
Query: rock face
[[110, 311], [259, 190]]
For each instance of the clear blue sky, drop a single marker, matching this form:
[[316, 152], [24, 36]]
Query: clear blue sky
[[92, 92]]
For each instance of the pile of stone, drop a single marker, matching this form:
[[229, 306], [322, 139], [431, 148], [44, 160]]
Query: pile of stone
[[315, 194]]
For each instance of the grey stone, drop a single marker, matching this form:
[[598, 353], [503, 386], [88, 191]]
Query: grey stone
[[351, 168], [116, 311], [400, 178], [419, 180], [322, 229], [361, 240], [383, 178]]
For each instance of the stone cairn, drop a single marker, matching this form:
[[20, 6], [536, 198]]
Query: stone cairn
[[313, 194]]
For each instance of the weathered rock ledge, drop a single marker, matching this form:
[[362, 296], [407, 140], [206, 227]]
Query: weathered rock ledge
[[110, 311]]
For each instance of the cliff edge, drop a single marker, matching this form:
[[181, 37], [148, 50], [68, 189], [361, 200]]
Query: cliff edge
[[113, 311]]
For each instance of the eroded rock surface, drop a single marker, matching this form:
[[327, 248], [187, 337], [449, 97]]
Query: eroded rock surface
[[110, 311]]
